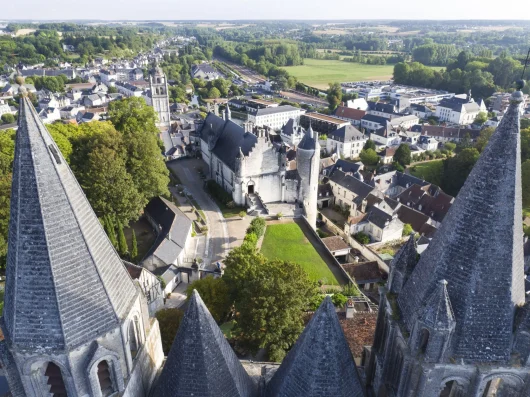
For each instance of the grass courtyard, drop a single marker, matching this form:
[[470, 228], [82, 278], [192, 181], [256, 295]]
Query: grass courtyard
[[287, 242], [319, 73], [431, 171]]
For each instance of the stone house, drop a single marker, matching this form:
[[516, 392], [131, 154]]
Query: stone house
[[346, 141]]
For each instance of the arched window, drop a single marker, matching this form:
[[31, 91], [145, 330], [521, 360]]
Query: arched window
[[55, 380], [424, 339], [105, 379], [133, 339]]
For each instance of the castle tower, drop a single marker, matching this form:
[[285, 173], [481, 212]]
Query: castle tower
[[447, 326], [160, 96], [308, 162], [74, 321]]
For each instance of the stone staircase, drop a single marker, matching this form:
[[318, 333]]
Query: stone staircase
[[256, 207]]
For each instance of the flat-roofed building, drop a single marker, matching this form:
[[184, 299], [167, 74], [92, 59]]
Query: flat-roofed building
[[322, 123]]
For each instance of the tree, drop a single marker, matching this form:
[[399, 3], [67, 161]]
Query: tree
[[369, 145], [402, 155], [213, 93], [134, 246], [481, 118], [270, 296], [456, 170], [449, 146], [334, 95], [484, 138], [257, 226], [361, 237], [8, 118], [144, 161], [123, 249], [407, 229], [112, 90], [169, 322], [369, 157], [110, 229], [215, 294]]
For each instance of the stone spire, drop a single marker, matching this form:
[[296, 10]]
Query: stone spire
[[402, 265], [479, 251], [201, 362], [438, 312], [228, 113], [308, 141], [65, 283], [310, 131], [320, 363]]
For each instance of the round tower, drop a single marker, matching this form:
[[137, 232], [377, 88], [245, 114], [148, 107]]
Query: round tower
[[308, 161]]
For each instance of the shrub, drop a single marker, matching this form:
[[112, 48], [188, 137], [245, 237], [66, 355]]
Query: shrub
[[407, 229], [351, 290], [169, 322], [339, 300], [257, 226], [251, 238], [242, 214], [218, 193], [279, 215], [315, 301], [361, 237]]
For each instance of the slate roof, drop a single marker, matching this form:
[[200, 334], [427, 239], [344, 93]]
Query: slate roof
[[230, 137], [308, 142], [381, 107], [375, 119], [201, 363], [320, 364], [65, 282], [174, 230], [359, 188], [347, 166], [288, 128], [379, 217], [485, 275], [348, 133]]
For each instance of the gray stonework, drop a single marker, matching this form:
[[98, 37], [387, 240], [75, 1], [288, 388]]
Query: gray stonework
[[456, 323], [320, 364], [160, 97], [247, 161], [69, 299]]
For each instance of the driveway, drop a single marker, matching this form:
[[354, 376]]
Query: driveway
[[218, 242]]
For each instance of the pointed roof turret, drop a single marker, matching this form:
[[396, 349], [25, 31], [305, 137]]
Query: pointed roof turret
[[320, 363], [438, 312], [308, 141], [201, 362], [65, 283], [228, 113], [403, 264], [479, 250]]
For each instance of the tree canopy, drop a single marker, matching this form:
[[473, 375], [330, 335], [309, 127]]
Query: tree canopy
[[334, 95], [403, 155]]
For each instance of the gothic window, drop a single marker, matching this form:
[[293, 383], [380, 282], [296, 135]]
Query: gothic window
[[134, 344], [158, 80], [55, 380], [424, 340], [105, 379]]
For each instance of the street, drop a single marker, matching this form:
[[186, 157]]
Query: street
[[217, 242]]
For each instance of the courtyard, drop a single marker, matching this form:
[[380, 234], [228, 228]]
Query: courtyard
[[287, 242]]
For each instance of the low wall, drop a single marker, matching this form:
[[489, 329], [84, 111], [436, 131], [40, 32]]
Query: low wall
[[368, 253]]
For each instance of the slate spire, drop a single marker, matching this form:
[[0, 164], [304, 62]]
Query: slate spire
[[479, 251], [320, 364], [438, 312], [402, 265], [201, 362], [65, 284]]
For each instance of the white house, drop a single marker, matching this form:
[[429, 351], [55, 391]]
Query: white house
[[379, 225], [107, 76], [274, 117], [128, 90], [358, 103], [204, 71], [49, 115], [347, 141], [459, 111], [427, 143], [70, 112]]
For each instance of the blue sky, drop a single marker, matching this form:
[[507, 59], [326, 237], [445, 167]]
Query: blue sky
[[269, 9]]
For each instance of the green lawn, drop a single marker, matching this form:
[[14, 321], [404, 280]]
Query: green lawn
[[287, 242], [319, 73], [430, 171]]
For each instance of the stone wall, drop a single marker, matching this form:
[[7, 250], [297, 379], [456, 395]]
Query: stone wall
[[146, 365]]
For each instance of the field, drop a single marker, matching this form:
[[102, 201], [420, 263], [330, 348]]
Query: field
[[319, 73], [286, 241], [431, 171]]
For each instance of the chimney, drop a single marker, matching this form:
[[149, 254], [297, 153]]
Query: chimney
[[350, 308]]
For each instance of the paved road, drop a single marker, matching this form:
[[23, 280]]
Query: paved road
[[218, 242]]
